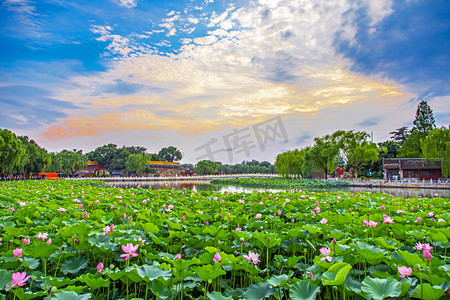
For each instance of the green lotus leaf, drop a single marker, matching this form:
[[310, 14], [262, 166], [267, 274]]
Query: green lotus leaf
[[21, 294], [59, 281], [150, 273], [217, 296], [41, 250], [278, 281], [74, 265], [29, 262], [208, 272], [258, 291], [428, 292], [303, 290], [378, 289], [64, 295], [5, 278], [336, 274], [94, 281], [150, 227]]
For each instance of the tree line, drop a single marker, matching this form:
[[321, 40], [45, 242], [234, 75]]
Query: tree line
[[353, 151]]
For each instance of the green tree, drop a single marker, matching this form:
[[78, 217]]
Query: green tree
[[12, 152], [112, 157], [437, 147], [67, 161], [356, 149], [35, 160], [424, 121], [290, 163], [137, 163], [204, 167], [170, 154], [412, 147], [322, 155], [400, 135]]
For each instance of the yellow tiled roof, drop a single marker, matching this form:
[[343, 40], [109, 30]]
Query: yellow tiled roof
[[163, 163]]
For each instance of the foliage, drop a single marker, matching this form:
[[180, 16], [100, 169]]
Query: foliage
[[170, 154], [400, 135], [137, 163], [279, 182], [437, 147], [322, 154], [412, 147], [290, 163], [246, 167], [67, 161], [194, 244], [204, 167], [424, 121], [355, 149], [19, 155]]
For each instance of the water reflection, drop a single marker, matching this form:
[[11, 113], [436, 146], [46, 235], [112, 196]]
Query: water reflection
[[207, 186]]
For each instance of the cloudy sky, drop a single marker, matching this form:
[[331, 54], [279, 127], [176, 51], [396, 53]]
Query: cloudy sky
[[224, 80]]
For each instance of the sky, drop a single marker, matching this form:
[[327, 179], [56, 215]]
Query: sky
[[221, 80]]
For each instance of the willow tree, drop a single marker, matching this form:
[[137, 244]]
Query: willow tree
[[290, 163], [437, 147]]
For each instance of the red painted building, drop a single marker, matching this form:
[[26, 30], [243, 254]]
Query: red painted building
[[410, 168]]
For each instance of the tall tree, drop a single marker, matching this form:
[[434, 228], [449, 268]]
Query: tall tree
[[137, 162], [356, 149], [437, 147], [424, 121], [290, 163], [400, 134], [170, 154], [12, 152], [322, 155], [204, 167]]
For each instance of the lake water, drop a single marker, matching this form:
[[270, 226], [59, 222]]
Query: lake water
[[207, 186]]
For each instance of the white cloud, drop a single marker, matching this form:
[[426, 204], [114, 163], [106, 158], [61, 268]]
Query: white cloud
[[193, 20], [205, 40], [279, 59], [128, 3]]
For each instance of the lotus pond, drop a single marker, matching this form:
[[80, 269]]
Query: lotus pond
[[67, 239]]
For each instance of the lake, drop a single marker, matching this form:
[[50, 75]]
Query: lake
[[207, 186]]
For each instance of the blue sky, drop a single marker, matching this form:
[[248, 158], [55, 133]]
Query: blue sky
[[80, 74]]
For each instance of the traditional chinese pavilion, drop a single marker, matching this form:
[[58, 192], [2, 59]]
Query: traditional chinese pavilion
[[409, 168]]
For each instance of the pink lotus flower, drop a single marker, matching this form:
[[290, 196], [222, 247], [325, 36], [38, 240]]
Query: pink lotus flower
[[42, 236], [258, 216], [252, 257], [388, 220], [326, 252], [427, 255], [178, 256], [431, 214], [419, 219], [85, 215], [365, 223], [206, 223], [317, 209], [404, 271], [313, 212], [12, 209], [21, 203], [112, 227], [372, 224], [323, 221], [279, 212], [26, 241], [18, 279], [310, 275], [106, 230], [238, 229], [80, 205], [217, 258], [124, 216], [99, 267], [400, 211], [183, 218], [129, 250], [61, 209], [17, 252], [228, 215], [49, 241], [383, 207]]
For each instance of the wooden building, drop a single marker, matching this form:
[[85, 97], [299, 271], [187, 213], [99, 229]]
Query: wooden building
[[410, 168]]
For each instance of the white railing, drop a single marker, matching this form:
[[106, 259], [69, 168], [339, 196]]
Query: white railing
[[161, 178]]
